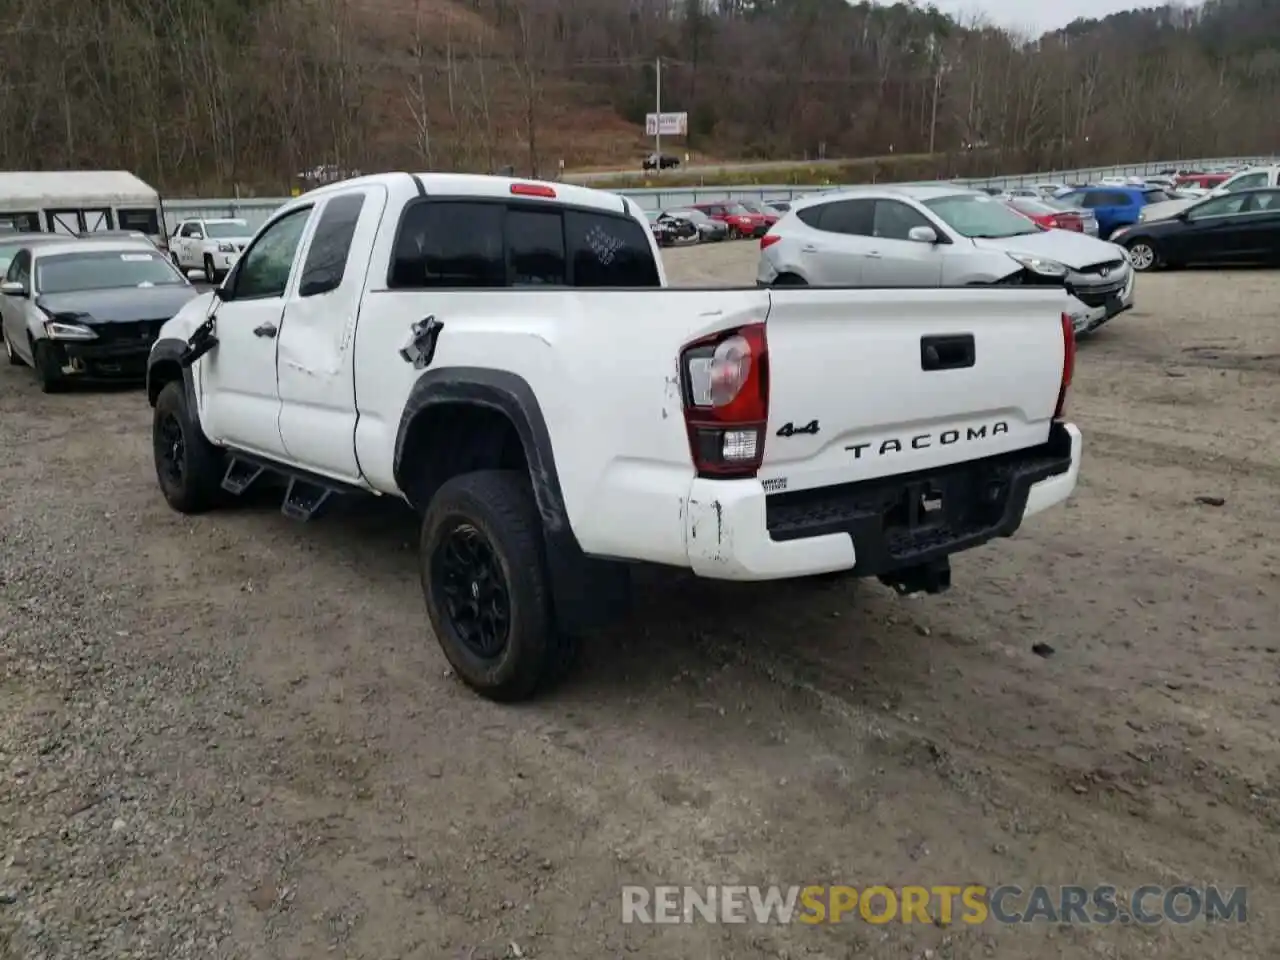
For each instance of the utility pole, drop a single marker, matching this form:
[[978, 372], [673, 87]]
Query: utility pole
[[657, 109], [937, 86]]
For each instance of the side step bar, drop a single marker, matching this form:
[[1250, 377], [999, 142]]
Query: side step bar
[[306, 495]]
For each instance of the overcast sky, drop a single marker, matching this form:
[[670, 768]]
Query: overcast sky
[[1036, 17]]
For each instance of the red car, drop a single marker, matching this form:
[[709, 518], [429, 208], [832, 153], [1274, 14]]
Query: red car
[[770, 214], [1205, 181], [741, 221], [1046, 215]]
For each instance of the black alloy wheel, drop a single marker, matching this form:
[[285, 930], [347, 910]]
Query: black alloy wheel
[[170, 449], [468, 577]]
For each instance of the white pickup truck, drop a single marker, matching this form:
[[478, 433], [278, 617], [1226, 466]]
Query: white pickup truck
[[506, 357]]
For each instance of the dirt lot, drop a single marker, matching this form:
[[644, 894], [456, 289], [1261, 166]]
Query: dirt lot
[[235, 737]]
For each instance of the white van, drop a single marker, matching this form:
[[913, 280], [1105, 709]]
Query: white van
[[72, 202]]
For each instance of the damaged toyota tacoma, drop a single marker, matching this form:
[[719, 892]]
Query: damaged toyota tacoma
[[506, 357]]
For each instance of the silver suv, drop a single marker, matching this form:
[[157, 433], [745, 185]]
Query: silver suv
[[940, 236]]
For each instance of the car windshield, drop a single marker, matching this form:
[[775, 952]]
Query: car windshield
[[736, 210], [753, 207], [1155, 196], [980, 217], [225, 229], [106, 270], [695, 216]]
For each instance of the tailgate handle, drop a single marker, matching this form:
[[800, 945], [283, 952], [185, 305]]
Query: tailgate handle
[[947, 352]]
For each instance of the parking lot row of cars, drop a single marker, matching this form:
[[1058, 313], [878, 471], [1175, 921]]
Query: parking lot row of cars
[[713, 222]]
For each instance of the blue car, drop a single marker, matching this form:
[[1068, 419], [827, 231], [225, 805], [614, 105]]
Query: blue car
[[1115, 207]]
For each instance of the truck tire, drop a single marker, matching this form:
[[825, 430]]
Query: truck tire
[[210, 272], [47, 367], [188, 467], [482, 562], [11, 354]]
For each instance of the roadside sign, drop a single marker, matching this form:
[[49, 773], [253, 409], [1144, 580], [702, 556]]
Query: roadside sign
[[666, 124]]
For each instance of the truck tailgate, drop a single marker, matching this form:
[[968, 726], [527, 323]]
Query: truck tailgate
[[871, 383]]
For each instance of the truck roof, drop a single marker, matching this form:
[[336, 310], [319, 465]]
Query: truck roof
[[484, 185], [21, 189]]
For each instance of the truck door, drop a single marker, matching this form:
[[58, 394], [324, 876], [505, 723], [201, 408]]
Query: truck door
[[240, 395], [315, 363]]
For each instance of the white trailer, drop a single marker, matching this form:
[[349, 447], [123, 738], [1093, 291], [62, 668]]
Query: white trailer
[[78, 201]]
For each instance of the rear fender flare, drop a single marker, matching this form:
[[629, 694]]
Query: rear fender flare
[[506, 393], [587, 592]]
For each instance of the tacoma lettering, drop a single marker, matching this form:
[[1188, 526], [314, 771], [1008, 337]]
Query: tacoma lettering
[[922, 441]]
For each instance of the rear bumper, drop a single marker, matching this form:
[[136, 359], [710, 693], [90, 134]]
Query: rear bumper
[[735, 531]]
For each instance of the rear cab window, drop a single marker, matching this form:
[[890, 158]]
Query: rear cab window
[[496, 243]]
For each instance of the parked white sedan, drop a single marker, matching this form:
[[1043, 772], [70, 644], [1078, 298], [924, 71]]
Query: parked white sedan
[[940, 236]]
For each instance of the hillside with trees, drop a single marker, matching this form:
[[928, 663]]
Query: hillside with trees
[[212, 95]]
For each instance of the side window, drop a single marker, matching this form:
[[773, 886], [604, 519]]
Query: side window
[[1093, 199], [535, 247], [327, 258], [264, 270], [609, 251], [852, 217], [894, 220], [1247, 182], [1219, 207], [28, 222], [1118, 199], [19, 268], [1267, 202], [142, 219]]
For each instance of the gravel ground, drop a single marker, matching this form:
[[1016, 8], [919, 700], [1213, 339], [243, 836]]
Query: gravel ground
[[234, 736]]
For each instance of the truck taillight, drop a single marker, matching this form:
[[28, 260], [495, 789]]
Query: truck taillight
[[1068, 365], [768, 240], [725, 381]]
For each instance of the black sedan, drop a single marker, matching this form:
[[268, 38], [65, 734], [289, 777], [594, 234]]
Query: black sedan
[[1240, 227], [84, 310]]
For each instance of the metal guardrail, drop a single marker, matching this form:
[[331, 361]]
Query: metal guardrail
[[258, 209]]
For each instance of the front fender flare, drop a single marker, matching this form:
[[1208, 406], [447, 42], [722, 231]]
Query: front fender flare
[[165, 351]]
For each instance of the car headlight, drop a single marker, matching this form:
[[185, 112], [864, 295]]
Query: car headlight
[[1045, 268], [67, 330], [226, 248]]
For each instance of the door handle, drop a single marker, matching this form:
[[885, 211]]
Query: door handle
[[874, 255], [808, 248], [266, 330]]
